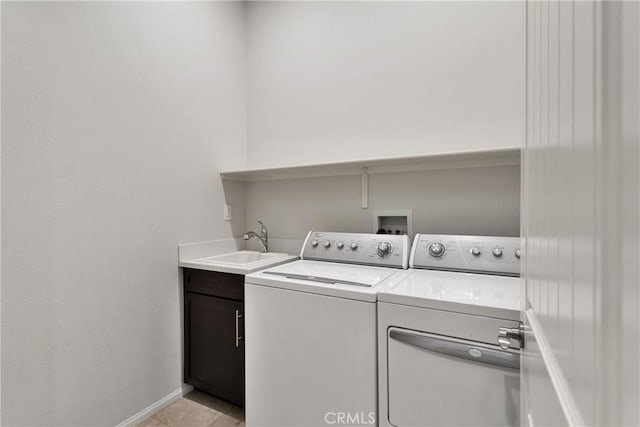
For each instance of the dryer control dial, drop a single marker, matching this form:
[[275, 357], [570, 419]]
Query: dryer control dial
[[436, 249], [384, 248]]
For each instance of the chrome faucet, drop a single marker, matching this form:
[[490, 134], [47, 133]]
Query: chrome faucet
[[263, 238]]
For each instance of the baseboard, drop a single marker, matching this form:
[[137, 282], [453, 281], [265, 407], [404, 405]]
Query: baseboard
[[156, 407]]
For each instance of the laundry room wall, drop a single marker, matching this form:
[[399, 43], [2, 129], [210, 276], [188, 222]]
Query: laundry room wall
[[481, 201], [116, 117], [335, 81]]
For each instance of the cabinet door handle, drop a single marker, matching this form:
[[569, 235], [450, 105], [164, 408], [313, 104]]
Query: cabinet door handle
[[238, 337]]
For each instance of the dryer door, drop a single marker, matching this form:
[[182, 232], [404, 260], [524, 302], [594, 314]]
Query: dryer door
[[437, 380]]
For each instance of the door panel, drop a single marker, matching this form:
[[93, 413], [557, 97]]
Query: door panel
[[215, 357], [431, 378], [580, 214], [309, 356]]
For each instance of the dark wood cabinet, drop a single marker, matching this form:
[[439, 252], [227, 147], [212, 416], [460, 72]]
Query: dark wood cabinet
[[214, 330]]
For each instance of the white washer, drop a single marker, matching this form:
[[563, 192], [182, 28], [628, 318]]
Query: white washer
[[440, 362], [310, 328]]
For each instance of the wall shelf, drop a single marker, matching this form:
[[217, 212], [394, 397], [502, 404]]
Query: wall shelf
[[467, 159]]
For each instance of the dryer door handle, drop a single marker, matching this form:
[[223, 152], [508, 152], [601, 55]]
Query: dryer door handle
[[507, 336], [463, 349]]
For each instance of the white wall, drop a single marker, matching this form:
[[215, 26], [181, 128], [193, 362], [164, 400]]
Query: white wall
[[484, 201], [118, 115], [116, 118], [580, 214], [331, 81]]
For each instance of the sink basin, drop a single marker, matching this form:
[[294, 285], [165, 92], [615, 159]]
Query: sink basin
[[242, 257], [238, 262]]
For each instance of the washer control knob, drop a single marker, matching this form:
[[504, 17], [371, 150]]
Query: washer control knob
[[327, 244], [340, 245], [497, 252], [384, 248], [354, 246], [475, 251], [436, 249], [517, 253], [314, 243]]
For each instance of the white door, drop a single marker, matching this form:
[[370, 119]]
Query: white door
[[580, 216]]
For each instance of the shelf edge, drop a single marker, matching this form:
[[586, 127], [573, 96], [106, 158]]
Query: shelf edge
[[459, 160]]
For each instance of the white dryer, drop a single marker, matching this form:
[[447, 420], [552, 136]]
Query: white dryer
[[310, 329], [448, 335]]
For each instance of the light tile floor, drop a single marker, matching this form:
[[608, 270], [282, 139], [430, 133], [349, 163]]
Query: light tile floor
[[197, 409]]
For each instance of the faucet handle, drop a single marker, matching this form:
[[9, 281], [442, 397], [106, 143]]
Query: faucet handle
[[263, 228]]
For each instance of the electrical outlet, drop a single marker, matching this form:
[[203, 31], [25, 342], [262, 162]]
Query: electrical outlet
[[227, 212]]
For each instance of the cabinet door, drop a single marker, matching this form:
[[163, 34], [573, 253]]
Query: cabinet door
[[214, 348]]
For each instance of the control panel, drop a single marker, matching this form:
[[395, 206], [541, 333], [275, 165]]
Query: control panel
[[357, 248], [480, 254]]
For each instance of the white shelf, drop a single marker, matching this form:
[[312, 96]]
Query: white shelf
[[467, 159]]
